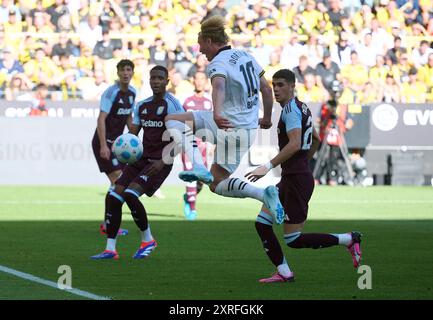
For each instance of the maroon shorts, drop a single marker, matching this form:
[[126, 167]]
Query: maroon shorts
[[107, 166], [295, 191], [135, 173]]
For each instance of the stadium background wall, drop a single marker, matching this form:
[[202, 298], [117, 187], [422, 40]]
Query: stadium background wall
[[56, 150]]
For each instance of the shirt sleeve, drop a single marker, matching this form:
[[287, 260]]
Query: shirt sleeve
[[135, 115], [292, 117], [216, 69], [107, 99], [173, 105]]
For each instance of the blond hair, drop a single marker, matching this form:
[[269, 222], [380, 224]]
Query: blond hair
[[213, 28]]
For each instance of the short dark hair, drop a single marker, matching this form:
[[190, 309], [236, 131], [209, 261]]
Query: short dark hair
[[161, 68], [285, 74], [123, 63]]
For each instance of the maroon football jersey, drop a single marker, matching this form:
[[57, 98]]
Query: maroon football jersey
[[295, 114], [150, 114]]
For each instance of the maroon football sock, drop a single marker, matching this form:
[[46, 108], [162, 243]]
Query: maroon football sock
[[314, 240], [270, 243], [191, 195], [113, 216]]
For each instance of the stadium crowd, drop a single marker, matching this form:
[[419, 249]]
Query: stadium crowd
[[363, 50]]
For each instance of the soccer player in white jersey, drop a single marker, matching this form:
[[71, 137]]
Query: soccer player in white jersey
[[236, 81]]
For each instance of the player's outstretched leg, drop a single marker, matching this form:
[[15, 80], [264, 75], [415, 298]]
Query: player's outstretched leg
[[236, 188], [113, 221], [351, 240], [102, 226], [273, 250]]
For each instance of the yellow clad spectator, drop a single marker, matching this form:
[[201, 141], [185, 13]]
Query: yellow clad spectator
[[425, 73], [85, 61], [377, 74], [413, 91], [355, 72], [311, 16], [388, 10], [401, 72], [191, 29], [368, 95], [274, 65], [41, 69], [272, 35], [362, 19], [389, 91], [309, 91]]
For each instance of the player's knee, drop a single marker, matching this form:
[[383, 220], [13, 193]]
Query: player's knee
[[291, 239], [131, 195]]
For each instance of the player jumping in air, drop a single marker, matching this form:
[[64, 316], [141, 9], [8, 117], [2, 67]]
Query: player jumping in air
[[298, 141], [236, 80], [197, 102], [146, 175], [116, 104]]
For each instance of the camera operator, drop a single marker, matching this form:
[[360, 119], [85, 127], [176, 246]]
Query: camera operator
[[333, 122]]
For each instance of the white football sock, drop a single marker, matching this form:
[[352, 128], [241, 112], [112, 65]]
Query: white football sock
[[284, 269], [111, 244], [184, 139], [343, 238], [146, 235], [236, 188]]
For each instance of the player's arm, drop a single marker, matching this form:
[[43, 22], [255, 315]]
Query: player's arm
[[134, 129], [314, 144], [218, 96], [268, 101], [286, 153], [104, 151]]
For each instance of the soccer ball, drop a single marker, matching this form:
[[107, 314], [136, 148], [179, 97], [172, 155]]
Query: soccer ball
[[127, 148]]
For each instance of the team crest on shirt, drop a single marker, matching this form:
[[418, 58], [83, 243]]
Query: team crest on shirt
[[160, 110], [144, 111], [207, 105]]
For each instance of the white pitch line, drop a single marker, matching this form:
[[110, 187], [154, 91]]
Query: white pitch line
[[52, 284]]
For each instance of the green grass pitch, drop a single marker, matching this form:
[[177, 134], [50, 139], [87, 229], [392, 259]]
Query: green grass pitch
[[218, 256]]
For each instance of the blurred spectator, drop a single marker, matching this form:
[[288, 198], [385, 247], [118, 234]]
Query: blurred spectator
[[395, 52], [158, 53], [261, 51], [216, 7], [93, 87], [9, 65], [336, 12], [17, 87], [57, 10], [38, 101], [340, 52], [367, 52], [314, 50], [327, 72], [6, 8], [413, 91], [426, 73], [377, 74], [38, 10], [274, 65], [291, 52], [104, 49], [355, 72], [389, 92], [302, 69], [41, 68], [179, 87], [420, 54], [64, 47], [401, 72], [200, 65], [182, 57], [91, 29], [309, 91]]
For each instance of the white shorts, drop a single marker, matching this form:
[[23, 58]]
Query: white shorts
[[231, 144]]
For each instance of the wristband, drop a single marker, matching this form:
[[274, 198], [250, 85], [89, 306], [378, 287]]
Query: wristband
[[269, 165]]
